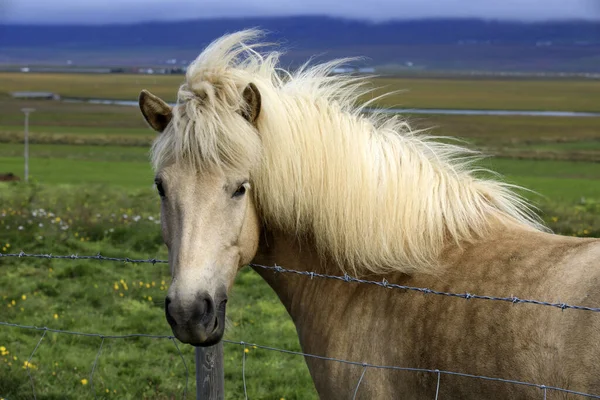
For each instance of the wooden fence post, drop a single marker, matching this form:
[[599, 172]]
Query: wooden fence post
[[210, 374]]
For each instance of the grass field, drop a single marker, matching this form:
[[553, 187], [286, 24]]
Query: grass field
[[110, 298], [92, 191], [571, 95]]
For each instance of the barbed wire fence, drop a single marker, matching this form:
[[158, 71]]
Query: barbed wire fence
[[544, 389]]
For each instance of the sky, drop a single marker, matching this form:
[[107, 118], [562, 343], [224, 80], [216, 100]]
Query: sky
[[123, 11]]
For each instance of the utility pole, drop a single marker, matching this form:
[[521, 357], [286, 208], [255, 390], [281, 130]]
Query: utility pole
[[27, 111]]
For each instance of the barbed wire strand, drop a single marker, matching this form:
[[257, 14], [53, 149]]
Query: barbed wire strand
[[345, 278], [94, 368], [467, 296], [291, 352], [28, 365], [78, 257], [412, 369], [359, 381]]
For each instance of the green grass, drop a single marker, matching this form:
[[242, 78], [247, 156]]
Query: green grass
[[55, 171], [512, 94], [115, 299], [129, 167], [100, 86], [79, 152], [502, 94]]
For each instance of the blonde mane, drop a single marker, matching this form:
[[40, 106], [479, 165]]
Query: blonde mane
[[372, 194]]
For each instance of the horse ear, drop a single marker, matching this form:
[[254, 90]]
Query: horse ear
[[252, 99], [157, 113]]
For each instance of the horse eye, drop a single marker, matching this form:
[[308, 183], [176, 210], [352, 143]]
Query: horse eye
[[159, 187], [240, 191]]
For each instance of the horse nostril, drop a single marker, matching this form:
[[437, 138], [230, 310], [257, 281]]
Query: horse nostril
[[170, 318], [205, 310]]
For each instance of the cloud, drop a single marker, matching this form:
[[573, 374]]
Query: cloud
[[106, 11]]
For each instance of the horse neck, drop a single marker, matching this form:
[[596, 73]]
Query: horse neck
[[298, 293]]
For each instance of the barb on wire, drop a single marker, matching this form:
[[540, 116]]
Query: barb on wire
[[345, 278]]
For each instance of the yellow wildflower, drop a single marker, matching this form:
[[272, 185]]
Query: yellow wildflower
[[24, 297], [84, 381], [14, 303], [27, 364], [246, 351], [55, 316]]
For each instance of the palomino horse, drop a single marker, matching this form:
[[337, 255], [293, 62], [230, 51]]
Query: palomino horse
[[257, 165]]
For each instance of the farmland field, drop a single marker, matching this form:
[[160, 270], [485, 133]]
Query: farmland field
[[424, 92], [91, 192]]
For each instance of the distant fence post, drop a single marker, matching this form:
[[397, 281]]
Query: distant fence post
[[27, 111], [210, 374]]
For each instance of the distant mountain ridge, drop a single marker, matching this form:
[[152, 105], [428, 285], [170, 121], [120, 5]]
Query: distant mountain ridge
[[304, 36]]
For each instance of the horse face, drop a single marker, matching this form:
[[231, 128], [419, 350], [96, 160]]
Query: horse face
[[211, 229], [210, 226]]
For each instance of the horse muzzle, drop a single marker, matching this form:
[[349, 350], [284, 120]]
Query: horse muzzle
[[199, 323]]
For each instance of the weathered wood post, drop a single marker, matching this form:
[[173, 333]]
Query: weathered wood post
[[210, 374]]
